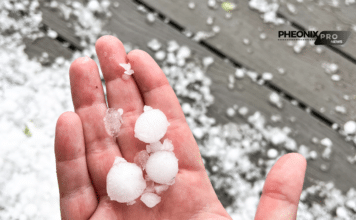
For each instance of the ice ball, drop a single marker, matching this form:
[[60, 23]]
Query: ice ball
[[125, 181], [150, 199], [113, 121], [151, 126], [162, 167]]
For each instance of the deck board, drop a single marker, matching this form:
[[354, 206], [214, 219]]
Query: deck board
[[325, 18], [130, 26], [305, 78]]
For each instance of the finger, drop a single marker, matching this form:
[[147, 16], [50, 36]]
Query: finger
[[157, 93], [282, 189], [120, 93], [89, 104], [77, 196]]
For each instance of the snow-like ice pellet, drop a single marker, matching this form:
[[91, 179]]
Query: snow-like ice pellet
[[125, 182], [150, 199], [330, 68], [141, 158], [162, 167], [171, 58], [128, 70], [239, 73], [291, 8], [207, 61], [172, 46], [216, 29], [184, 52], [210, 20], [340, 109], [246, 41], [160, 55], [326, 142], [191, 5], [243, 111], [281, 70], [272, 153], [275, 99], [113, 121], [160, 188], [151, 126], [313, 154], [335, 77], [350, 127], [263, 36], [158, 146], [230, 112], [212, 4], [154, 44], [267, 76], [150, 17]]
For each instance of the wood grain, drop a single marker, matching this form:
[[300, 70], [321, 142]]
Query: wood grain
[[305, 79]]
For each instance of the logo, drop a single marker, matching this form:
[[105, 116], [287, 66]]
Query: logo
[[324, 38]]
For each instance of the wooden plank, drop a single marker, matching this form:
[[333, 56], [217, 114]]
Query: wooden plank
[[47, 45], [130, 26], [308, 13], [305, 78]]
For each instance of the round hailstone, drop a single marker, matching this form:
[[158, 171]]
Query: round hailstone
[[125, 182], [162, 167], [272, 153], [350, 127], [151, 126]]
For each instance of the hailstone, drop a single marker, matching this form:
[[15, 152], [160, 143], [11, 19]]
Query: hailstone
[[158, 146], [125, 181], [151, 126], [150, 199], [162, 167]]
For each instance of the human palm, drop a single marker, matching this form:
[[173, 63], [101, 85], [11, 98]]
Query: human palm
[[85, 152]]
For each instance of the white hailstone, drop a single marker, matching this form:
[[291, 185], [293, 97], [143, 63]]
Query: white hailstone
[[172, 46], [128, 71], [334, 126], [350, 127], [342, 212], [346, 97], [52, 34], [151, 126], [124, 181], [276, 118], [281, 70], [313, 154], [239, 73], [246, 41], [263, 36], [184, 52], [212, 4], [340, 109], [154, 44], [216, 29], [304, 150], [171, 58], [94, 6], [315, 140], [150, 199], [162, 167], [252, 75], [180, 62], [335, 77], [141, 158], [230, 112], [158, 146], [294, 102], [113, 121], [160, 188], [243, 111], [330, 68], [160, 55], [275, 100], [326, 142], [327, 153], [191, 5], [141, 9], [272, 153], [291, 8], [228, 15], [210, 20], [207, 61], [267, 76], [198, 132], [150, 17]]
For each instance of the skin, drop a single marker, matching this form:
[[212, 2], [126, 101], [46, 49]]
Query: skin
[[85, 152]]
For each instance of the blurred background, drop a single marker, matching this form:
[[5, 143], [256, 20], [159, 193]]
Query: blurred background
[[248, 97]]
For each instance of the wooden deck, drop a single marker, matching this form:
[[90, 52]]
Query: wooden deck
[[305, 79]]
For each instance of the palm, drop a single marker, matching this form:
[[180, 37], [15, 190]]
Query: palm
[[85, 152]]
